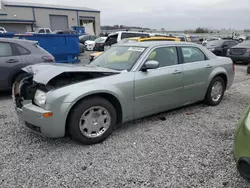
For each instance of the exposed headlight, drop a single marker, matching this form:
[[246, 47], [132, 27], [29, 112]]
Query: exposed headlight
[[40, 98]]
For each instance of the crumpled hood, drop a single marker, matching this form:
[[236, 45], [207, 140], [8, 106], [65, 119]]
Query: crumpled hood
[[44, 72]]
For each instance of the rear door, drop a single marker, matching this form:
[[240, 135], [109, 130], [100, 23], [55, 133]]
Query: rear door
[[196, 70], [10, 63]]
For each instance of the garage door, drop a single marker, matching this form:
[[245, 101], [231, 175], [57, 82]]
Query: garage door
[[58, 22]]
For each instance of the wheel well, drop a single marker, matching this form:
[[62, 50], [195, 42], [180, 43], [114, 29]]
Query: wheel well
[[224, 77], [112, 99], [14, 76]]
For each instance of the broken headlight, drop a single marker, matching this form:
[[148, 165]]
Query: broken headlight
[[40, 98]]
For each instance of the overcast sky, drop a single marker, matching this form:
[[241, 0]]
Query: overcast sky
[[168, 14]]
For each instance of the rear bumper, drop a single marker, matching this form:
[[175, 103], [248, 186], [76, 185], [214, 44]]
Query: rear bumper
[[242, 58]]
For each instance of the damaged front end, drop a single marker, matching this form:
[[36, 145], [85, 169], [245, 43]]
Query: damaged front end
[[47, 77]]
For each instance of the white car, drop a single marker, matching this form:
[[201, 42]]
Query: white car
[[3, 30], [204, 43], [89, 45]]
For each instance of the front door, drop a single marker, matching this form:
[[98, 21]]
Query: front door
[[159, 89]]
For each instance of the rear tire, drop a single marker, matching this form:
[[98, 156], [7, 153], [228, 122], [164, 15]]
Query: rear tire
[[215, 91], [240, 40], [93, 120]]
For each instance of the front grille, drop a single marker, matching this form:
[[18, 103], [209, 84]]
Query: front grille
[[237, 51], [33, 127]]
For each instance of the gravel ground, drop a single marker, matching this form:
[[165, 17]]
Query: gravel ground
[[188, 147]]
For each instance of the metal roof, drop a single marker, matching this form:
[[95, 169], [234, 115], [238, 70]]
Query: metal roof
[[47, 6]]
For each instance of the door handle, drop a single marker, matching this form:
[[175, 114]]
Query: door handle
[[177, 72], [12, 61], [209, 66]]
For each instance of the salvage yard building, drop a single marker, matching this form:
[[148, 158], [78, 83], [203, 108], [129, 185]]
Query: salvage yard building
[[22, 17]]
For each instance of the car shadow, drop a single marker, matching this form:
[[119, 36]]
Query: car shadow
[[5, 95]]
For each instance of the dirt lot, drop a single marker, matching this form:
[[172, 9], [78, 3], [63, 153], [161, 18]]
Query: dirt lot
[[188, 147]]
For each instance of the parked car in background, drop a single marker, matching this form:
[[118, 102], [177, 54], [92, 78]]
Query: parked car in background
[[89, 45], [66, 31], [16, 54], [220, 47], [204, 43], [99, 44], [3, 30], [84, 38], [114, 38], [42, 31], [240, 38], [240, 52], [195, 39], [183, 38], [139, 39], [241, 144], [127, 82]]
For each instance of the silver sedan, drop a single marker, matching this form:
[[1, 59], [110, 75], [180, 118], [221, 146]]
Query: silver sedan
[[127, 82]]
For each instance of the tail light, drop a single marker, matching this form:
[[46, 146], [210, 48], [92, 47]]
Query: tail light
[[48, 59]]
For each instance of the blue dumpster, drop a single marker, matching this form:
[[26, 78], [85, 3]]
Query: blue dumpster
[[79, 30], [7, 35], [64, 47]]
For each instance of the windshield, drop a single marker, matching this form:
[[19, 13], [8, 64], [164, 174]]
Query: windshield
[[119, 57], [215, 43], [100, 40]]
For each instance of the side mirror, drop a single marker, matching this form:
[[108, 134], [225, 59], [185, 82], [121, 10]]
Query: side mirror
[[151, 64]]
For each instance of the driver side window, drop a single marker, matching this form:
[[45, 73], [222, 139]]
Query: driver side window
[[165, 56]]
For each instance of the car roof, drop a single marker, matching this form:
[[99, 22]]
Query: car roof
[[16, 40], [117, 32], [157, 43]]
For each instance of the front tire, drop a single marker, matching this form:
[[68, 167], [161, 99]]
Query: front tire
[[17, 81], [215, 91], [92, 120]]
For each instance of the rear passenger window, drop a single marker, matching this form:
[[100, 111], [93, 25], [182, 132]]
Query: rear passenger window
[[41, 31], [22, 50], [166, 56], [5, 49], [192, 54], [127, 35]]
